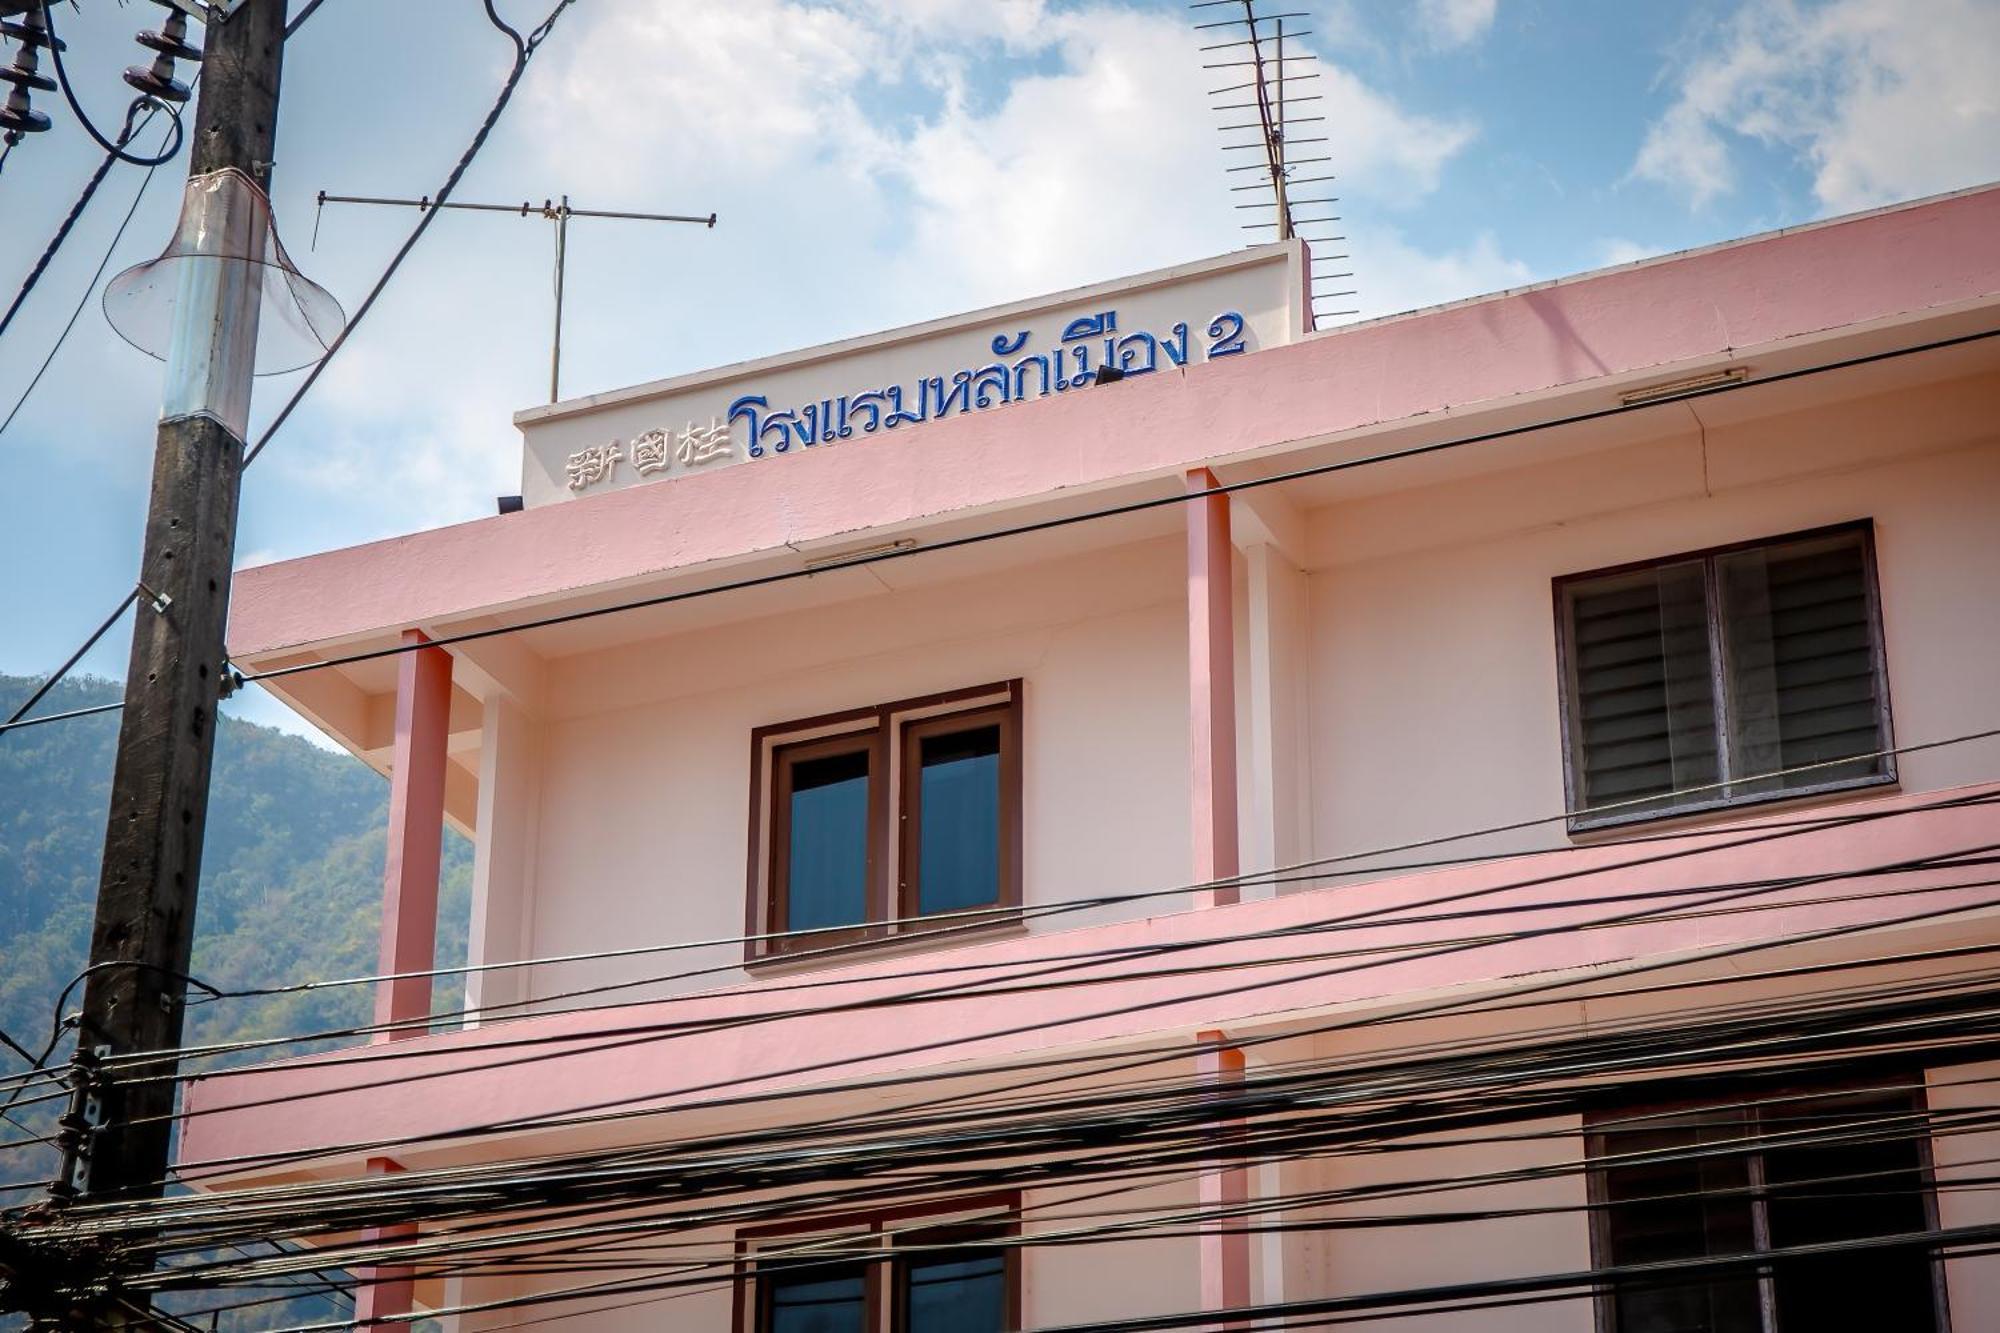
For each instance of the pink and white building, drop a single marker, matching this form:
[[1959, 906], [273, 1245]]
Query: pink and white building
[[1513, 754]]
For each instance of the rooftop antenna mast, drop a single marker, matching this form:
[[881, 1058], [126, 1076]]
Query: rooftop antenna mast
[[556, 211], [1258, 49]]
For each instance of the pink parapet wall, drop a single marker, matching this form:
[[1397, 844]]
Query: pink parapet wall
[[1351, 945], [1890, 264]]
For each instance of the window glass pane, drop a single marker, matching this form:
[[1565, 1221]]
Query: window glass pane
[[1676, 1191], [958, 857], [1831, 1191], [819, 1301], [826, 874], [963, 1293], [1643, 719], [1802, 686]]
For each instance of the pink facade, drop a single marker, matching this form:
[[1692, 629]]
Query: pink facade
[[1289, 770]]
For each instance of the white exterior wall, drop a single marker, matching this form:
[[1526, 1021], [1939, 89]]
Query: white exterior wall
[[1963, 1158], [1373, 1259], [1429, 700], [1434, 700], [642, 833]]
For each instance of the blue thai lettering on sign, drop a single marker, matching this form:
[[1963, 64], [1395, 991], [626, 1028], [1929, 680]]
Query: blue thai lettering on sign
[[1010, 378]]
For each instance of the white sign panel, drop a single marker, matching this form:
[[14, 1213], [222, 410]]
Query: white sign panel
[[758, 413]]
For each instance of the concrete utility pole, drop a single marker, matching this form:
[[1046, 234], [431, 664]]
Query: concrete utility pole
[[144, 934]]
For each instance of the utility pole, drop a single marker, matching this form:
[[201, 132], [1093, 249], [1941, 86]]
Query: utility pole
[[140, 946]]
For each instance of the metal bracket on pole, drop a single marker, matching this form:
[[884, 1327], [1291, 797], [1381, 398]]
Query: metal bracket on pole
[[217, 11], [78, 1126], [158, 600]]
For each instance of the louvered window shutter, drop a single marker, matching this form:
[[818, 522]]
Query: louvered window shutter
[[1644, 703], [1787, 632], [1801, 646]]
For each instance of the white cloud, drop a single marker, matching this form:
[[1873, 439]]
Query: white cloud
[[1880, 101], [1615, 250], [1450, 23], [1395, 275], [1101, 165], [874, 162]]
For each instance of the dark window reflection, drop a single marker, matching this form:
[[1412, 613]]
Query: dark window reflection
[[826, 877], [959, 857], [816, 1302], [962, 1293]]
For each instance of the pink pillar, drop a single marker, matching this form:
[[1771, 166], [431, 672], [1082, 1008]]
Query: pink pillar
[[416, 834], [1211, 690], [384, 1293], [1225, 1183]]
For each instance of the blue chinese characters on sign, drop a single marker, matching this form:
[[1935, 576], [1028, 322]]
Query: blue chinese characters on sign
[[1011, 377]]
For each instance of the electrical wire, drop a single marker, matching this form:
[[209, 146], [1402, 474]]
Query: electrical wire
[[606, 1110], [1759, 831], [68, 223], [1809, 824], [1849, 1137], [981, 985], [16, 1047], [1314, 870], [1712, 1149], [524, 51], [1210, 1315], [89, 643], [1406, 912], [63, 337], [253, 1209], [1180, 497], [1068, 520], [574, 1045], [114, 150], [1655, 1157]]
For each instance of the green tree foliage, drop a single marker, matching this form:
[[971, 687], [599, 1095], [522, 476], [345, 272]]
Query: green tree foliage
[[291, 885]]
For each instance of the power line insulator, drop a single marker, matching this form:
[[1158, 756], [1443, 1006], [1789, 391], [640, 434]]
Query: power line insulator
[[170, 42], [18, 116], [27, 78], [30, 30]]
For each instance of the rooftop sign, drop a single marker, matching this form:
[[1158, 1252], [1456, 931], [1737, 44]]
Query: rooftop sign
[[758, 412]]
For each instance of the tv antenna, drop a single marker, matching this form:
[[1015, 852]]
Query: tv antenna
[[1268, 86], [558, 211]]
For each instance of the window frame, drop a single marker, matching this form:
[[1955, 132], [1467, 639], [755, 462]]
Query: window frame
[[997, 1215], [909, 814], [1568, 693], [785, 758], [892, 733], [1911, 1085]]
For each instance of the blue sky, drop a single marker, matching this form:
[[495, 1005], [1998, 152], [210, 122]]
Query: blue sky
[[881, 161]]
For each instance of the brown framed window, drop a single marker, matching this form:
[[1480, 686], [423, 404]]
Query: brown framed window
[[954, 1280], [825, 841], [805, 1297], [867, 822], [1764, 1176], [895, 1272], [1688, 682]]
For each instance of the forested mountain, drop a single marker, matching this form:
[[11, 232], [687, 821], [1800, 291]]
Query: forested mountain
[[291, 883]]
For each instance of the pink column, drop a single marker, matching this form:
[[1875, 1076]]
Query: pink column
[[1211, 690], [384, 1293], [1225, 1184], [416, 834]]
